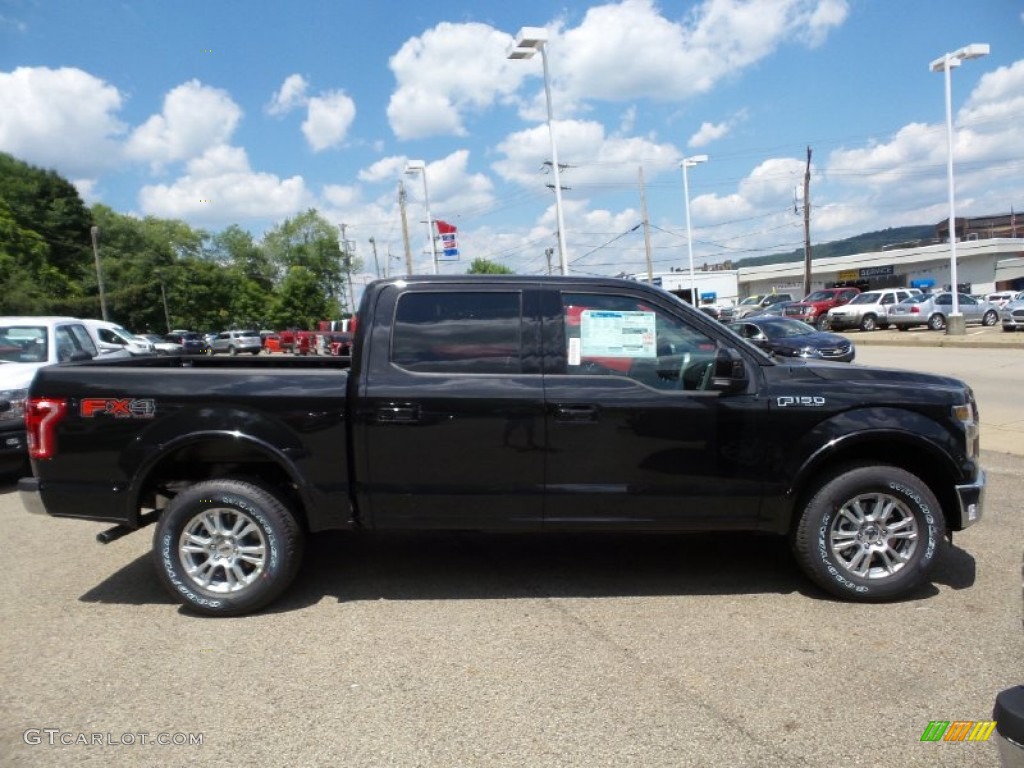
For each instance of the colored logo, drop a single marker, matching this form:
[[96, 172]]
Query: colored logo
[[958, 730]]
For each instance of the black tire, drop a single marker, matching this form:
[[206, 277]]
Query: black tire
[[937, 322], [232, 351], [990, 318], [868, 323], [884, 326], [902, 327], [853, 559], [256, 351], [224, 582], [822, 323]]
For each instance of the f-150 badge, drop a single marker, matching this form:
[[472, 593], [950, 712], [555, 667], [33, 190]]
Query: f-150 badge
[[119, 408], [803, 400]]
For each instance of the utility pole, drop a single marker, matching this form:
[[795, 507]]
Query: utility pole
[[167, 313], [807, 225], [376, 264], [346, 258], [647, 229], [405, 228], [549, 252], [95, 232]]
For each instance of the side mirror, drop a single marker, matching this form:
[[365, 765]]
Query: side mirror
[[79, 355], [730, 371]]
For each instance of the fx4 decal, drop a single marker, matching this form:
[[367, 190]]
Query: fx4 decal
[[790, 400], [119, 408]]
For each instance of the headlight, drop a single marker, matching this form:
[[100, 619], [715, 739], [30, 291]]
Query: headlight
[[967, 415], [809, 352], [16, 397]]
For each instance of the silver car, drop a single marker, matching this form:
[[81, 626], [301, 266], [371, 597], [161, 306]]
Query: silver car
[[1013, 314], [932, 309], [234, 342], [868, 311]]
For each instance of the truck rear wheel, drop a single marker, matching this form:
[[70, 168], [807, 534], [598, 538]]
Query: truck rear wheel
[[869, 532], [227, 547]]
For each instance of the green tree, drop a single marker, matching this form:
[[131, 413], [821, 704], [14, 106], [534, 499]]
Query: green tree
[[487, 267], [300, 301]]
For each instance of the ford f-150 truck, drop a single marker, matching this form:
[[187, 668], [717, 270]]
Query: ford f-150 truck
[[508, 404]]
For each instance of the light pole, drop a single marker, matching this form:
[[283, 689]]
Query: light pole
[[420, 167], [528, 42], [945, 63], [95, 232], [690, 162]]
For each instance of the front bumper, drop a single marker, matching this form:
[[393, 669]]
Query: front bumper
[[971, 498]]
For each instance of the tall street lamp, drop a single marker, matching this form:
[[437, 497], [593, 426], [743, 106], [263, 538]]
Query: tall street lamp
[[418, 166], [945, 63], [528, 42], [690, 162]]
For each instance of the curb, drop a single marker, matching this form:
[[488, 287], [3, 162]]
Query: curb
[[975, 340]]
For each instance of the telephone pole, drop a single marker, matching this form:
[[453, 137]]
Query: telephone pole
[[405, 228], [647, 229], [807, 225]]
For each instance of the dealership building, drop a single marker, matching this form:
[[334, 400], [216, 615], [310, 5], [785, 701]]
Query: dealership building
[[989, 256]]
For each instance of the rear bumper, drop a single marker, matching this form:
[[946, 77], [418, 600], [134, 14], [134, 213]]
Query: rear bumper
[[971, 498], [28, 489]]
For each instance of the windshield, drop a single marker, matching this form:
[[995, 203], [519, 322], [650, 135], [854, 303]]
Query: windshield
[[917, 299], [866, 298], [820, 296], [23, 344], [749, 301], [782, 328]]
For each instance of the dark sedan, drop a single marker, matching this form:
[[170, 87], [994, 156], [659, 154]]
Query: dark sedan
[[793, 338], [192, 343]]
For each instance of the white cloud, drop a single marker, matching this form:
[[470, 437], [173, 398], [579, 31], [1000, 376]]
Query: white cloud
[[436, 87], [582, 144], [195, 117], [386, 169], [290, 95], [329, 118], [708, 133], [61, 118], [219, 186]]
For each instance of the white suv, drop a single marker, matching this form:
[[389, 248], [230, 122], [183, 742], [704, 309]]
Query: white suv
[[868, 310]]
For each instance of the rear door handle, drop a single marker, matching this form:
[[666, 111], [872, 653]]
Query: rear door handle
[[398, 414], [576, 414]]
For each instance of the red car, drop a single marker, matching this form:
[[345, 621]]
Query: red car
[[813, 309]]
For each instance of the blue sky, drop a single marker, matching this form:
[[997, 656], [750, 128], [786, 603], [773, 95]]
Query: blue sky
[[249, 112]]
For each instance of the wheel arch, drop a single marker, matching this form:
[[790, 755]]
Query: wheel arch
[[217, 454], [907, 451]]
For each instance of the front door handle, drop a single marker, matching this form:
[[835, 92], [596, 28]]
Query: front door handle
[[398, 414], [576, 414]]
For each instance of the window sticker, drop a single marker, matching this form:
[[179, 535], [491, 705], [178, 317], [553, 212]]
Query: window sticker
[[606, 333], [574, 351]]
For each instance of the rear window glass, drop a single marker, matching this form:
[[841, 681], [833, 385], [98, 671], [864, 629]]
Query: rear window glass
[[458, 332]]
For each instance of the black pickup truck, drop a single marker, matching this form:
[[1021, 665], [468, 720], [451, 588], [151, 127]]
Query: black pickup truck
[[508, 404]]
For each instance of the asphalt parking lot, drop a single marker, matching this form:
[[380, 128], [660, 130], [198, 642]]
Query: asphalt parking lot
[[469, 650]]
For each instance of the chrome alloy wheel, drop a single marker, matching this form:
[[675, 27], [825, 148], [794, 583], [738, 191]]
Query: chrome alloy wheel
[[223, 550], [873, 536]]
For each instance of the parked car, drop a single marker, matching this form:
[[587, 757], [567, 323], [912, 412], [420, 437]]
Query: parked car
[[161, 345], [773, 310], [753, 304], [26, 345], [1000, 298], [813, 308], [1013, 314], [932, 310], [112, 338], [868, 311], [192, 343], [233, 342], [794, 338]]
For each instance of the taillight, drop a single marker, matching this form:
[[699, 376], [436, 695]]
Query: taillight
[[915, 309], [41, 418]]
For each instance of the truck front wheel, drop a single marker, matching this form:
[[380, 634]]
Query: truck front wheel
[[869, 532], [227, 547]]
